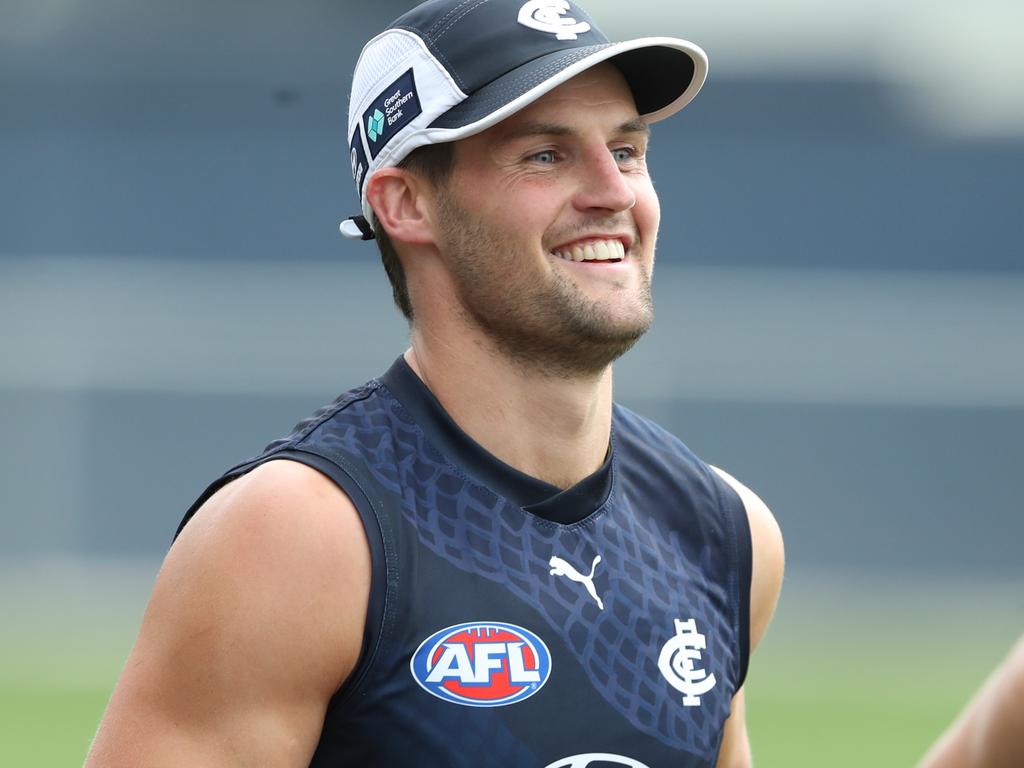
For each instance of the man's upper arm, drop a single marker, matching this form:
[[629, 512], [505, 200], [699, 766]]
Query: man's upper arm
[[766, 583], [989, 733], [255, 620]]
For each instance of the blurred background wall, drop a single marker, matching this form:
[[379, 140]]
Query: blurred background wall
[[839, 293]]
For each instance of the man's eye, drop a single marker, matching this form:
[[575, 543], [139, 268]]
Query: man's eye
[[547, 156], [623, 154]]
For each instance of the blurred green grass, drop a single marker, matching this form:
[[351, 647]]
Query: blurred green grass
[[856, 671], [67, 628], [865, 671]]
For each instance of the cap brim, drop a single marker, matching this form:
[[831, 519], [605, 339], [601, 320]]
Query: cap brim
[[664, 74]]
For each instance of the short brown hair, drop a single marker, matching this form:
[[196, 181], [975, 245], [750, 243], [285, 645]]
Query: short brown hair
[[434, 163]]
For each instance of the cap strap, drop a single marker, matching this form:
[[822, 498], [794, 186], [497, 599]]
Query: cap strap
[[357, 228]]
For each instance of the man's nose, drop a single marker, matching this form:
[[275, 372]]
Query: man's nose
[[602, 184]]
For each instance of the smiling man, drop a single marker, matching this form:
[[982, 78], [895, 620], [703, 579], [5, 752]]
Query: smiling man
[[477, 559]]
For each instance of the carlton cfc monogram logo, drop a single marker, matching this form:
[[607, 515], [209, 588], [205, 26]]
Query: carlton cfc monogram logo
[[549, 16], [678, 660], [357, 168]]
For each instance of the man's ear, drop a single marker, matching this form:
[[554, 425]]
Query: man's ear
[[402, 204]]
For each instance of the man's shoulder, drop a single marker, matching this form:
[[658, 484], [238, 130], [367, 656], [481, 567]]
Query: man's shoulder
[[357, 403], [647, 438], [282, 507], [255, 620], [329, 428], [276, 486], [632, 426], [647, 445], [280, 541]]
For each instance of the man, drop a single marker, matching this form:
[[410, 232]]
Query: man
[[990, 731], [477, 559]]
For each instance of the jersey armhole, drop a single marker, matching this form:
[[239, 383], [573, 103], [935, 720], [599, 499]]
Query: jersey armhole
[[736, 513], [344, 476], [340, 471]]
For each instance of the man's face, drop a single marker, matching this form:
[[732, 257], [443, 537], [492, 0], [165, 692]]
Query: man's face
[[548, 225]]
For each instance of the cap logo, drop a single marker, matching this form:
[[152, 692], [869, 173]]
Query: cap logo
[[550, 16], [375, 124], [393, 109], [358, 158]]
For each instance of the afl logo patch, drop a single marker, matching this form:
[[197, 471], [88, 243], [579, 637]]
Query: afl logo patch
[[482, 664]]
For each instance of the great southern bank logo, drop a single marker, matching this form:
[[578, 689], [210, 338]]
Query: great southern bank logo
[[393, 109], [482, 664], [375, 125]]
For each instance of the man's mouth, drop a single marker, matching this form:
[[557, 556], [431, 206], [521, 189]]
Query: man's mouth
[[592, 250]]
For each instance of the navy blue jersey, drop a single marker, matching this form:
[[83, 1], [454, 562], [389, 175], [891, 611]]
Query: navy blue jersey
[[512, 623]]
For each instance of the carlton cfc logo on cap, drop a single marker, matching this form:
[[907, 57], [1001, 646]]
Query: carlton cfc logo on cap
[[550, 16]]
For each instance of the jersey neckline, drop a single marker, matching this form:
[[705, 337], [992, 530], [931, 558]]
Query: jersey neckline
[[535, 496]]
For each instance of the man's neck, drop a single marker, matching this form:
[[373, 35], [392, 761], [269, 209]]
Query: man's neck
[[553, 428]]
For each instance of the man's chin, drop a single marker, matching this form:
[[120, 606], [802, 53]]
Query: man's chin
[[597, 345]]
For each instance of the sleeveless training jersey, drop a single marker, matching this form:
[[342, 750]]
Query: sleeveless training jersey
[[514, 624]]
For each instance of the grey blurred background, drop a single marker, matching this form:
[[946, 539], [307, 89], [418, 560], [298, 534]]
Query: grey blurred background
[[839, 292], [839, 313]]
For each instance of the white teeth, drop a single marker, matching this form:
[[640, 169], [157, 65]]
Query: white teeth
[[597, 250]]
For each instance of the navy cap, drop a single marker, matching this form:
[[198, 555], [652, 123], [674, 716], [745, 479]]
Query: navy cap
[[448, 69]]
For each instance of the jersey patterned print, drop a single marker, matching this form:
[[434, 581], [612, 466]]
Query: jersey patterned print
[[514, 624]]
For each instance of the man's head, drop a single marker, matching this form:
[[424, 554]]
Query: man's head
[[448, 69], [448, 99]]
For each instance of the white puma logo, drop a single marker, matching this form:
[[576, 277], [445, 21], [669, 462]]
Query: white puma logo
[[560, 567]]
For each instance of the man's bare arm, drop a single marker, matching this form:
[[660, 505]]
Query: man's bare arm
[[766, 583], [255, 620], [990, 731]]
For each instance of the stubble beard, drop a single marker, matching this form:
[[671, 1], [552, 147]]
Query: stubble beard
[[542, 326]]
